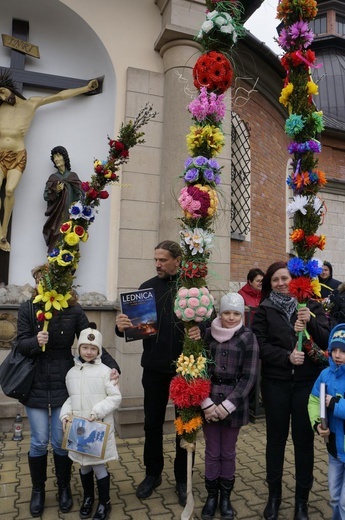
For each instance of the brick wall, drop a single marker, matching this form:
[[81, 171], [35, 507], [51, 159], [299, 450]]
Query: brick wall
[[269, 157], [268, 239]]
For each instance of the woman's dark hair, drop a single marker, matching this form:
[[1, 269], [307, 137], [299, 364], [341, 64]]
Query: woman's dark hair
[[173, 248], [253, 273], [61, 150], [266, 281]]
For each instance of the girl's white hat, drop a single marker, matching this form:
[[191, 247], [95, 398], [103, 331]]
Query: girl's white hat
[[91, 336], [231, 302]]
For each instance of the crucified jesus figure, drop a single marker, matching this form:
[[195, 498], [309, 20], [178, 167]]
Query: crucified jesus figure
[[16, 115]]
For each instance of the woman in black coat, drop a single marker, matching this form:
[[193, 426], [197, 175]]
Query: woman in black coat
[[48, 393], [287, 379]]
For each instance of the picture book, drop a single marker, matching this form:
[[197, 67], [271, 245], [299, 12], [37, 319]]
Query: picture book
[[87, 437], [140, 307]]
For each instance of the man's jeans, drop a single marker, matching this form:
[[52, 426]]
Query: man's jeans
[[336, 483]]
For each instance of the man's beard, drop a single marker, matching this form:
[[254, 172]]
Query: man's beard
[[10, 100]]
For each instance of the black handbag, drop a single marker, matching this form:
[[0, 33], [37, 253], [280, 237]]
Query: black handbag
[[17, 371]]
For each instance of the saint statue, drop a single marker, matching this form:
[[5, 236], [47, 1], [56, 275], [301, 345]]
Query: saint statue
[[62, 189]]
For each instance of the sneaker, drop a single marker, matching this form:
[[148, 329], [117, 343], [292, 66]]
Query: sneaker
[[181, 490], [147, 486]]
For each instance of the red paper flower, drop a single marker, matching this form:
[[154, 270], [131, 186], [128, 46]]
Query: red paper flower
[[99, 168], [213, 71], [295, 59], [189, 393], [92, 194], [118, 149], [79, 230], [116, 145], [103, 194], [312, 241], [190, 269], [40, 316], [301, 288]]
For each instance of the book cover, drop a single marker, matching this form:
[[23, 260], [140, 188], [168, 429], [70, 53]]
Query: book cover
[[140, 307]]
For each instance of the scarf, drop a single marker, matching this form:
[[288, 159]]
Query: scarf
[[286, 303], [220, 333]]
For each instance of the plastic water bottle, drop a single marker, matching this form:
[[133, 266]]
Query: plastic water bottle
[[18, 428]]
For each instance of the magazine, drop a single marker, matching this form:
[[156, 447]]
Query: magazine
[[140, 307], [86, 437]]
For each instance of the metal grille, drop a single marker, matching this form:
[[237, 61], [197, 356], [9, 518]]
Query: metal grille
[[240, 177]]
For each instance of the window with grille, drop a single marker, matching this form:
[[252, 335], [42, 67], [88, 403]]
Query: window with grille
[[240, 178], [319, 25], [340, 21]]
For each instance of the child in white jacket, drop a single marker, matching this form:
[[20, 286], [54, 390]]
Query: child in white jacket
[[93, 396]]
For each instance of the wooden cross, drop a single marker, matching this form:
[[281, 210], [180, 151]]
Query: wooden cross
[[20, 31]]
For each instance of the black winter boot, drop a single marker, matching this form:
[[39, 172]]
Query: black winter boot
[[209, 509], [104, 505], [38, 472], [225, 487], [301, 503], [63, 467], [274, 500], [89, 494]]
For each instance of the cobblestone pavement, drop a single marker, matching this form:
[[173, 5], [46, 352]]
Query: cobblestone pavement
[[248, 498]]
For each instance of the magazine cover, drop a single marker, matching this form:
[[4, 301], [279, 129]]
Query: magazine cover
[[140, 307], [87, 437]]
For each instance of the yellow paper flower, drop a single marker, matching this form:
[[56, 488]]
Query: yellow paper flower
[[286, 94], [65, 258], [85, 237], [316, 286], [72, 239], [187, 366], [40, 293], [322, 242], [53, 299], [207, 136], [312, 89]]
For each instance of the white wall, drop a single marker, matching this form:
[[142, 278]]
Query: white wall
[[68, 47]]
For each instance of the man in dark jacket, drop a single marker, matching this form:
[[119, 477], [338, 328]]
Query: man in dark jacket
[[328, 283], [159, 354]]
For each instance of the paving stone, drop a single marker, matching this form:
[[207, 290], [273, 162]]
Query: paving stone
[[248, 498]]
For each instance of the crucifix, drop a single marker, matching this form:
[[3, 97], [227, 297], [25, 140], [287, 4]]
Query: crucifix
[[13, 129]]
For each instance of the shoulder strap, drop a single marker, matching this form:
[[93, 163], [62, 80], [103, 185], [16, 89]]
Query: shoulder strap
[[32, 317]]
